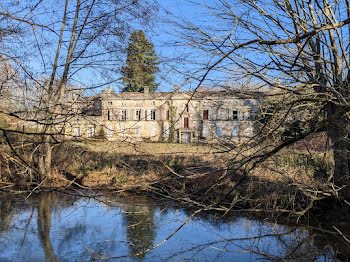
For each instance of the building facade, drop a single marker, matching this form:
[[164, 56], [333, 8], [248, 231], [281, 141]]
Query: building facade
[[202, 116]]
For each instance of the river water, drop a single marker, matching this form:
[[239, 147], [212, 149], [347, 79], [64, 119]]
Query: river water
[[69, 227]]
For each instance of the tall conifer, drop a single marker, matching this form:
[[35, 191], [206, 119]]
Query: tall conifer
[[141, 64]]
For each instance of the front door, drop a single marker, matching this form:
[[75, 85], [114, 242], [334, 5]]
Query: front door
[[186, 137]]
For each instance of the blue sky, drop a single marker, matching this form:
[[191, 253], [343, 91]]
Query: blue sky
[[176, 57]]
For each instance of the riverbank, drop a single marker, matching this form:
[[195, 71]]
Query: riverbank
[[195, 175]]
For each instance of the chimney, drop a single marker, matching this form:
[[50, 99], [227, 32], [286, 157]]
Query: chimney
[[146, 90], [176, 88]]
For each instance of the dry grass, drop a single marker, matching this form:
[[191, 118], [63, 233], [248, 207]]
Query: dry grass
[[143, 148], [194, 173]]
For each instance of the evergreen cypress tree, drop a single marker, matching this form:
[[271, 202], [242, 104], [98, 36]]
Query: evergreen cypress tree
[[141, 64]]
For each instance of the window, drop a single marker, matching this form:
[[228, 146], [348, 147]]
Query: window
[[252, 114], [153, 115], [91, 131], [235, 130], [123, 115], [218, 131], [138, 114], [153, 103], [109, 115], [123, 103], [166, 131], [185, 122], [186, 108], [109, 132], [138, 131], [76, 131], [249, 130], [245, 115], [205, 114], [205, 132], [152, 131], [167, 115], [234, 115], [123, 130], [110, 103]]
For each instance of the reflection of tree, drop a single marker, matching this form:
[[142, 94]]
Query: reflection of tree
[[6, 208], [333, 241], [44, 224], [140, 228]]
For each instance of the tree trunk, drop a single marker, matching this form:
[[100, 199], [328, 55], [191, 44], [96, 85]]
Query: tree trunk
[[338, 133], [45, 158]]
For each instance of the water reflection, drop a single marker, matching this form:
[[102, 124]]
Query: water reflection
[[140, 230], [61, 227], [44, 225]]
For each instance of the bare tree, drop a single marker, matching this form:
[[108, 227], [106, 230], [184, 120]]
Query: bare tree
[[61, 48], [299, 47]]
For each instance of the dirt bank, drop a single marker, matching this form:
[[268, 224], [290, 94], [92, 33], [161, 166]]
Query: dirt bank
[[196, 175]]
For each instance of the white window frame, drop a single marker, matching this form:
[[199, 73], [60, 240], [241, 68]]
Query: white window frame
[[109, 131], [205, 131], [138, 131], [122, 130], [91, 131], [152, 131], [76, 131], [249, 130], [166, 131]]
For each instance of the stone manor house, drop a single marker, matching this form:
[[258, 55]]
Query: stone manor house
[[184, 117]]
